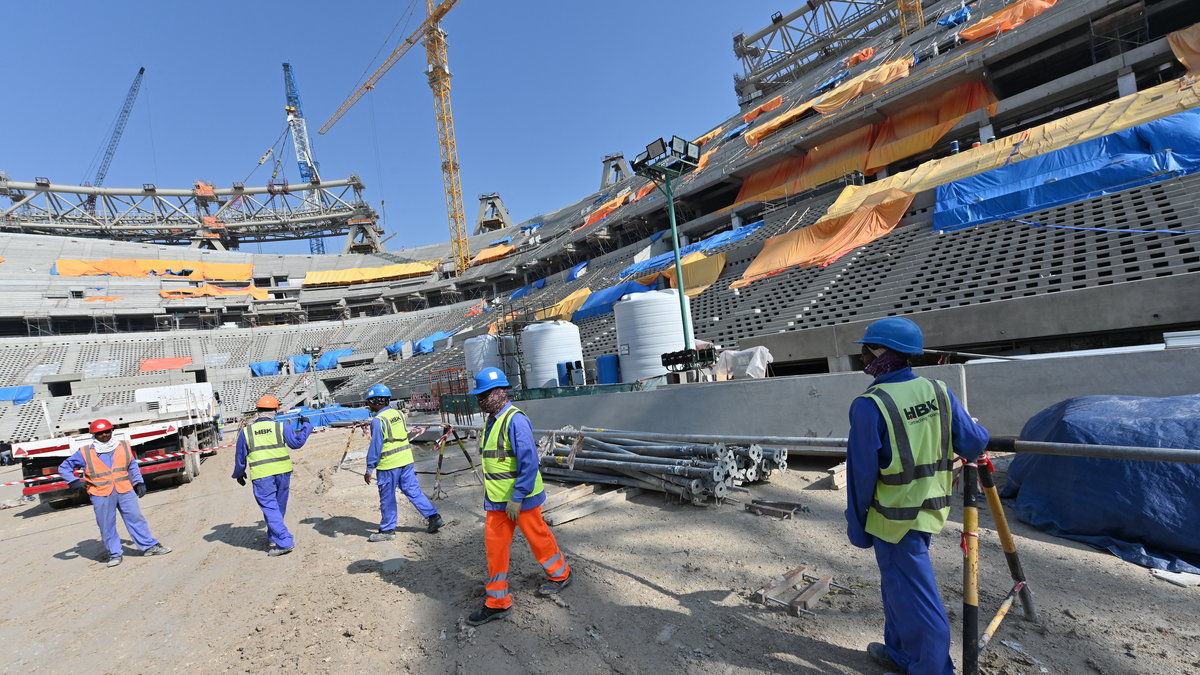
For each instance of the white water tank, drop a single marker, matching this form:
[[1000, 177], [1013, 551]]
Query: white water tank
[[648, 326], [545, 345], [491, 351]]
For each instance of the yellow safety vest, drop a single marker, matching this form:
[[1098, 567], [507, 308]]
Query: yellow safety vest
[[396, 450], [913, 491], [500, 462], [266, 451]]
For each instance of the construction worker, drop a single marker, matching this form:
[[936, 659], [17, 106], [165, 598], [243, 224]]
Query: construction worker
[[262, 449], [390, 458], [513, 497], [904, 431], [114, 483]]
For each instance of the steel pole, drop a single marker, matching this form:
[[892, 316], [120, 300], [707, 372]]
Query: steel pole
[[683, 313]]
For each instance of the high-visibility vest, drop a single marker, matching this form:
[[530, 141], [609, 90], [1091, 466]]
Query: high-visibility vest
[[500, 462], [99, 478], [913, 491], [266, 452], [396, 450]]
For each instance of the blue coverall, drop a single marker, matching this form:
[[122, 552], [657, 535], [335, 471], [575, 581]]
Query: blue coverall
[[403, 478], [271, 492], [916, 630], [106, 507], [520, 437]]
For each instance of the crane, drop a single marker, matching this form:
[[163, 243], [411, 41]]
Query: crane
[[911, 15], [118, 130], [295, 120], [438, 71]]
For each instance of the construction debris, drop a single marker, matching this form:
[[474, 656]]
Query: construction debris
[[583, 504], [778, 590], [778, 509]]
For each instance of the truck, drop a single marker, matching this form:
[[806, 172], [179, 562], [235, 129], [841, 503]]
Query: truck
[[162, 421]]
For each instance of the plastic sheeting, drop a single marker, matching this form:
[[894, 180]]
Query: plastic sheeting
[[601, 301], [578, 271], [172, 363], [103, 298], [329, 360], [1185, 44], [704, 160], [715, 241], [917, 128], [754, 136], [699, 272], [605, 209], [956, 18], [494, 253], [323, 417], [860, 85], [1142, 512], [395, 347], [505, 240], [425, 345], [860, 56], [563, 309], [1010, 17], [17, 395], [829, 238], [708, 137], [300, 363], [261, 368], [1139, 155], [741, 364], [208, 290], [520, 292], [359, 275], [141, 268], [763, 108]]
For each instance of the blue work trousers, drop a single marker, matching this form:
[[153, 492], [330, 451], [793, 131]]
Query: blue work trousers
[[403, 478], [271, 493], [915, 630], [106, 509]]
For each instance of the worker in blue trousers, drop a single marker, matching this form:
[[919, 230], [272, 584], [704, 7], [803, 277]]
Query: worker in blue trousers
[[904, 433], [262, 452], [113, 483], [390, 457]]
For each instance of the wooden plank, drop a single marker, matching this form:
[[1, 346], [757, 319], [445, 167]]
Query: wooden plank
[[570, 494], [584, 507], [837, 477], [810, 595], [779, 585]]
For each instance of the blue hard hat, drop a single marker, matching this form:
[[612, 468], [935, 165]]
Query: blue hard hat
[[488, 379], [379, 391], [896, 333]]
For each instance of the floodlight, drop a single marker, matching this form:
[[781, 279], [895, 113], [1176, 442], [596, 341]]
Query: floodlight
[[693, 153], [678, 146], [656, 149], [640, 161]]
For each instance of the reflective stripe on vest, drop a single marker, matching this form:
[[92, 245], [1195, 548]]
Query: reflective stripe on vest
[[266, 451], [396, 451], [913, 491], [500, 462], [99, 478]]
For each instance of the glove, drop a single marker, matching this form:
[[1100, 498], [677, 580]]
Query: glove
[[75, 484], [140, 490], [367, 475], [302, 419], [241, 480], [513, 509]]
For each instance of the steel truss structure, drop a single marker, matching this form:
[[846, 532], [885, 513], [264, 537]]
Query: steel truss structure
[[204, 216]]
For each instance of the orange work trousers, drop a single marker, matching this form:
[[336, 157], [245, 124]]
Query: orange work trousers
[[497, 538]]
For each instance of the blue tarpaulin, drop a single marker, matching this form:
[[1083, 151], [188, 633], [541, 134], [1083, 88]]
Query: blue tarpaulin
[[712, 242], [1142, 512], [395, 347], [540, 283], [658, 235], [577, 271], [737, 131], [321, 417], [300, 363], [956, 18], [425, 345], [328, 360], [601, 302], [520, 292], [17, 395], [264, 368], [501, 241], [837, 77], [530, 227], [1143, 154]]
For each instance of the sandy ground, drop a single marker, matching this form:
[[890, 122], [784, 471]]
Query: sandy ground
[[659, 588]]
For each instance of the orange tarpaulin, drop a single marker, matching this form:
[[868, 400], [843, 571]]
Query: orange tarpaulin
[[1184, 43], [121, 267], [707, 137], [755, 135], [873, 80], [699, 272], [358, 275], [103, 298], [829, 238], [861, 56], [823, 163], [208, 290], [917, 128], [765, 107], [175, 363], [704, 159], [1006, 19], [494, 253], [645, 190], [604, 209]]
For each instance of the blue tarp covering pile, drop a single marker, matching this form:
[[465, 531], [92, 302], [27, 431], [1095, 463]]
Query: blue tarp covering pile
[[425, 345], [300, 363], [712, 242], [956, 18], [1143, 154], [531, 227], [321, 417], [520, 292], [601, 302], [328, 360], [577, 270], [17, 395], [395, 347], [1143, 512], [264, 368]]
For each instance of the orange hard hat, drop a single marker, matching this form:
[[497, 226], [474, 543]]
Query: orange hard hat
[[267, 401], [100, 425]]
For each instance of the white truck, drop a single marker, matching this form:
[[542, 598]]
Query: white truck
[[163, 422]]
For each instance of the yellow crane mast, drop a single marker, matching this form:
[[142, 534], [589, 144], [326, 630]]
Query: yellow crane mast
[[912, 16]]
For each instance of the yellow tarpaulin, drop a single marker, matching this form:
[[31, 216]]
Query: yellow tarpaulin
[[755, 135], [563, 309], [1145, 106], [215, 291], [829, 238], [1006, 19], [873, 80], [699, 272], [1186, 46], [494, 253], [133, 267], [358, 275], [765, 107]]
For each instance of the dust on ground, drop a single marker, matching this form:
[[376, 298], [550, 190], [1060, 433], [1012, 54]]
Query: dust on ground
[[659, 588]]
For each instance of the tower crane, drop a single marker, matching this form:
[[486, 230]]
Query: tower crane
[[118, 131], [295, 120], [438, 71]]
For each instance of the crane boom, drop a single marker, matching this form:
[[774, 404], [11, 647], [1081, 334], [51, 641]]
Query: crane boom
[[434, 16], [295, 120], [439, 82], [119, 129]]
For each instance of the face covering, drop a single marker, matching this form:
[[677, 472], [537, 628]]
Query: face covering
[[102, 448], [887, 362]]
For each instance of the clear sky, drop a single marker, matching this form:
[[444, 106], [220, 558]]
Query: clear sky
[[542, 89]]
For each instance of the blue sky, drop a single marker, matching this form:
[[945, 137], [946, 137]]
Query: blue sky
[[541, 91]]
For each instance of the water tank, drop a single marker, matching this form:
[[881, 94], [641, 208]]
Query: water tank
[[608, 369], [545, 345], [492, 351], [648, 326]]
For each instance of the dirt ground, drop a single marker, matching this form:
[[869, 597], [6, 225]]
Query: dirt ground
[[659, 588]]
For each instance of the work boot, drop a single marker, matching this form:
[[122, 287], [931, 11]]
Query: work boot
[[278, 551], [157, 549], [382, 536], [486, 614], [553, 587], [879, 654], [435, 523], [114, 561]]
